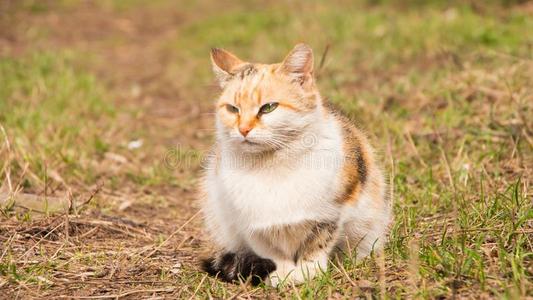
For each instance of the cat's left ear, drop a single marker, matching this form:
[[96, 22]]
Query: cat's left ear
[[224, 64], [299, 64]]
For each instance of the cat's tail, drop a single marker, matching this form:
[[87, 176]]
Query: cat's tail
[[231, 267]]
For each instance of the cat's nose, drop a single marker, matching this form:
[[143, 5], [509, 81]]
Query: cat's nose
[[244, 130]]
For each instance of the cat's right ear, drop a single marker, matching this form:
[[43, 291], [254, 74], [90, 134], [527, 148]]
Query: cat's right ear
[[224, 64]]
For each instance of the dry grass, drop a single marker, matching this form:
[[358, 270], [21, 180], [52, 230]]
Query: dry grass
[[105, 113]]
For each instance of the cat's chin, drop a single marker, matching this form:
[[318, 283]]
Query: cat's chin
[[249, 147]]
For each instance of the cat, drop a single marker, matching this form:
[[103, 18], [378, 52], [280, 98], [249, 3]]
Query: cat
[[291, 181]]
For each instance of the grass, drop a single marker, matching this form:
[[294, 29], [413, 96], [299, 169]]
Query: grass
[[444, 90], [52, 116]]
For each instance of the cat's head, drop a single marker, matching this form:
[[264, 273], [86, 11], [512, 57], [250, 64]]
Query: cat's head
[[265, 107]]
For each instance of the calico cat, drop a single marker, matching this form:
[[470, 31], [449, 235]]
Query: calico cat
[[291, 180]]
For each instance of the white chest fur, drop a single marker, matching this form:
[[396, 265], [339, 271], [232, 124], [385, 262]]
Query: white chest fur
[[293, 189]]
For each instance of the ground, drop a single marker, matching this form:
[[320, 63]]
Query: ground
[[106, 115]]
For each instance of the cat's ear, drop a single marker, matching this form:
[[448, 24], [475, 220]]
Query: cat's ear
[[299, 64], [224, 63]]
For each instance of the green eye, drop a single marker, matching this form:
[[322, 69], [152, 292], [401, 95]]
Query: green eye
[[232, 109], [268, 108]]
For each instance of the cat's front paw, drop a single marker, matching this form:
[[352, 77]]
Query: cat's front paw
[[284, 278], [233, 267], [288, 273]]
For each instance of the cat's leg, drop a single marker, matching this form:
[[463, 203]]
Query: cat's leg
[[309, 258], [220, 223], [235, 260], [239, 263]]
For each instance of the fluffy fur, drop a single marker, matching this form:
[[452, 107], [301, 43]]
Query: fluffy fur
[[289, 186]]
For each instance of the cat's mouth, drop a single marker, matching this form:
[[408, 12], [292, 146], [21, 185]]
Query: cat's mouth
[[248, 142]]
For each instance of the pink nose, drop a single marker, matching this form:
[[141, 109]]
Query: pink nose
[[245, 130]]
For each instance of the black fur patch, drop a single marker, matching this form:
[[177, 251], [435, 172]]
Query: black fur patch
[[231, 267], [208, 265], [361, 165]]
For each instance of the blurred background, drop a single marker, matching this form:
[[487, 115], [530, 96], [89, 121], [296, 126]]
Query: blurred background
[[106, 114]]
